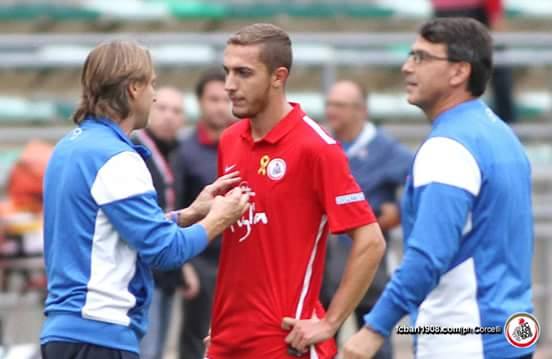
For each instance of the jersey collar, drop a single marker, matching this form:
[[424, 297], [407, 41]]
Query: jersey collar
[[204, 137], [365, 136], [285, 125]]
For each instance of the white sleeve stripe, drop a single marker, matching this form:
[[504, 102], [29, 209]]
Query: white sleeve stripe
[[444, 160], [122, 176], [316, 127], [349, 198]]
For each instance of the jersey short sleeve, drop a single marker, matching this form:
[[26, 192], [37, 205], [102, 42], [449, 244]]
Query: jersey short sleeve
[[339, 193]]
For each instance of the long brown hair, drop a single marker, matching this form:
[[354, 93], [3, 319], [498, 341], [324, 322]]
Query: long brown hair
[[107, 73]]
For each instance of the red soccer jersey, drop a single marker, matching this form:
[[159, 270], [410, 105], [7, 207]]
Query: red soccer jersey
[[272, 259]]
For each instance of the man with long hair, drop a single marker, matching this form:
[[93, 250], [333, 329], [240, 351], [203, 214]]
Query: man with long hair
[[103, 227]]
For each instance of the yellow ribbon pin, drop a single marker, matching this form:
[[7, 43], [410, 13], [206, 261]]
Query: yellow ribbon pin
[[263, 164]]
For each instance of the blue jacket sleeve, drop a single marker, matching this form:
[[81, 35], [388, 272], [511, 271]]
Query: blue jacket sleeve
[[441, 214], [161, 243]]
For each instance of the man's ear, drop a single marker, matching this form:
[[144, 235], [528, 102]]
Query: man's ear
[[461, 72], [133, 89], [279, 77]]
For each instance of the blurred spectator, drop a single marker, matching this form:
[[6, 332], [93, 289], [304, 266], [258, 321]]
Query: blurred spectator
[[380, 166], [165, 119], [491, 14], [26, 176], [195, 165], [21, 212]]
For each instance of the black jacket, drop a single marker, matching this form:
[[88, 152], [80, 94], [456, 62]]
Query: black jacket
[[195, 166], [167, 281]]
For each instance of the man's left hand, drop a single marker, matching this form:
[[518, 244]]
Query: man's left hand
[[306, 332], [202, 203]]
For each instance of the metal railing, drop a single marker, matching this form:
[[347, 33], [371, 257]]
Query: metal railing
[[327, 51]]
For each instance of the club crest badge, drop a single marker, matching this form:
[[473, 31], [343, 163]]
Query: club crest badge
[[276, 169]]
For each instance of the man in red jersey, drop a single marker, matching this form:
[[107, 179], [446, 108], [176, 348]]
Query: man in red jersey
[[266, 301]]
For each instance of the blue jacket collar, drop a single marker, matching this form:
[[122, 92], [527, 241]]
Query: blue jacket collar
[[143, 151], [444, 116]]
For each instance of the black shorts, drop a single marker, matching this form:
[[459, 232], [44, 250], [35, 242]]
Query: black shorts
[[65, 350]]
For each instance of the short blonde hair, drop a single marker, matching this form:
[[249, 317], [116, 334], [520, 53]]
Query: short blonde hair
[[276, 44], [107, 72]]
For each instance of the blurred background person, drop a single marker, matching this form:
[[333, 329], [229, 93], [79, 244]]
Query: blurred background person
[[380, 165], [195, 165], [491, 14], [21, 215], [160, 137]]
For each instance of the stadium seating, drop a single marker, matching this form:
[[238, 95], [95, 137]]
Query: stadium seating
[[383, 107], [144, 10]]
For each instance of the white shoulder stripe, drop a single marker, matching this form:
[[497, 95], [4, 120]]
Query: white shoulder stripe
[[316, 127], [122, 176], [444, 160]]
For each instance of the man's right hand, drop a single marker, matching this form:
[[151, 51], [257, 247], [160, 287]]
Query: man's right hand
[[225, 211], [363, 345], [191, 290], [390, 216]]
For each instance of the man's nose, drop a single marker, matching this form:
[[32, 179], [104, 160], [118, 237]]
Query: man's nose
[[230, 83], [407, 67]]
